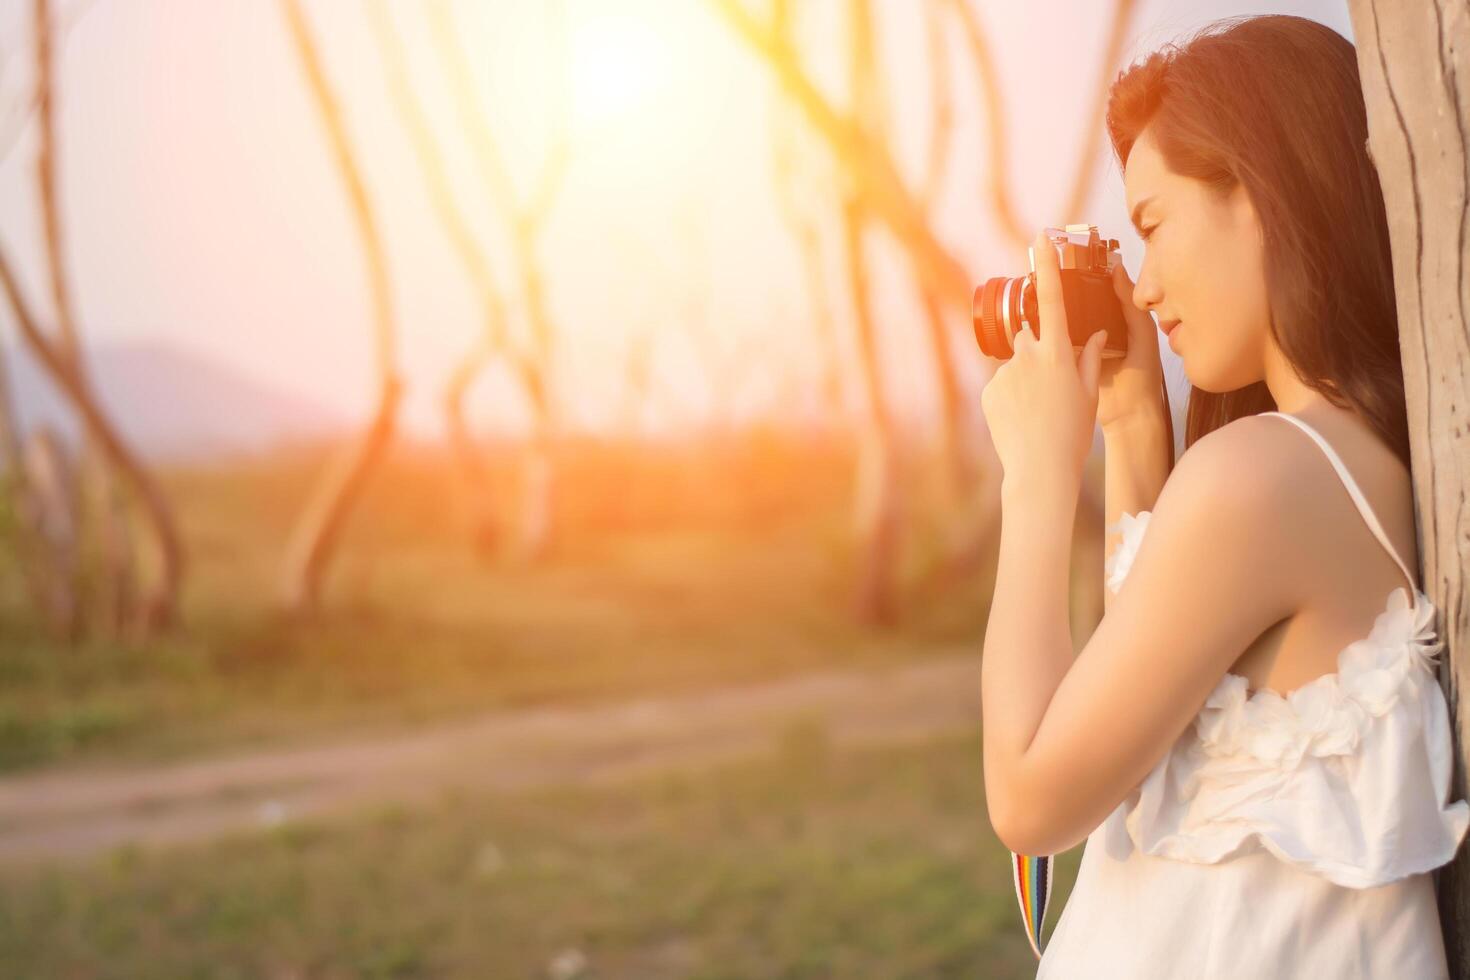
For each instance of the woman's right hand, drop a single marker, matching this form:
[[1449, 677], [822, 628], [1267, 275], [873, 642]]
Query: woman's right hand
[[1130, 386]]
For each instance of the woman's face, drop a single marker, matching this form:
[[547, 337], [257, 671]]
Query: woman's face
[[1203, 265]]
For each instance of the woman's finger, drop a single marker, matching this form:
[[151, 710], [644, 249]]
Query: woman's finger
[[1054, 332], [1024, 338]]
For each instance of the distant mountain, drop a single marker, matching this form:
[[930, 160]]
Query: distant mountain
[[174, 404]]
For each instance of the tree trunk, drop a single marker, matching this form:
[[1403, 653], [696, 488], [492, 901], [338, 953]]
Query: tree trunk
[[50, 582], [878, 509], [527, 221], [954, 416], [161, 604], [50, 525], [473, 478], [865, 160], [538, 482], [494, 340], [801, 209], [1414, 60], [868, 170], [102, 499], [318, 529]]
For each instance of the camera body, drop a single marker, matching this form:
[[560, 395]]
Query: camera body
[[1004, 305]]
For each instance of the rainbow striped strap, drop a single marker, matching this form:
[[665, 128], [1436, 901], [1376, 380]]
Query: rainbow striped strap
[[1033, 892]]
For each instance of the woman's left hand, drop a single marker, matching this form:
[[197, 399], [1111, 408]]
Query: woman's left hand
[[1041, 405]]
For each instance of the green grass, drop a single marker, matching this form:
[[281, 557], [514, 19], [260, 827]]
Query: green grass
[[815, 861], [675, 571]]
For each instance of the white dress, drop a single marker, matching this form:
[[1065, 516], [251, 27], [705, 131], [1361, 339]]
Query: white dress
[[1282, 836]]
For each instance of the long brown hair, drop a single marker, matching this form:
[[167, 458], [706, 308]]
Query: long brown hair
[[1275, 103]]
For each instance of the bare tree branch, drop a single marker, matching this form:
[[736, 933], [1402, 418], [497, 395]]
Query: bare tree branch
[[558, 157], [866, 76], [160, 607], [876, 510], [487, 152], [803, 223], [46, 154], [21, 115], [998, 191], [941, 126], [998, 144], [103, 500], [494, 340], [864, 159], [527, 223], [879, 511], [1082, 182], [435, 172], [314, 539]]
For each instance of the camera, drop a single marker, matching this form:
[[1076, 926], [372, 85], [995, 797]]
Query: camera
[[1004, 305]]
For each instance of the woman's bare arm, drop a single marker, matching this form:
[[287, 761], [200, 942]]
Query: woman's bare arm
[[1221, 563], [1136, 457]]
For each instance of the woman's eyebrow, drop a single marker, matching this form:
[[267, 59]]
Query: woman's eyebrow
[[1137, 209]]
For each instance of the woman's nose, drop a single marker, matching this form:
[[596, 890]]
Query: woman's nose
[[1145, 293]]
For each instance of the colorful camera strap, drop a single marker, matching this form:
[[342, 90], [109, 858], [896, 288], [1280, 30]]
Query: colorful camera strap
[[1033, 892]]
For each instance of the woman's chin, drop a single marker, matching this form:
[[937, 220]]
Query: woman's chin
[[1213, 384]]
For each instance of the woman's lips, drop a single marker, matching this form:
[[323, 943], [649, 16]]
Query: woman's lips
[[1167, 326]]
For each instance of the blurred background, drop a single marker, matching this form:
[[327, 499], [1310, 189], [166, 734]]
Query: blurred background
[[498, 489]]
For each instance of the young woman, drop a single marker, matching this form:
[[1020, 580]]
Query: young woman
[[1253, 742]]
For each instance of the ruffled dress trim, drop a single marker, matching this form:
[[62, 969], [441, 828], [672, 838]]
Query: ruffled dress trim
[[1121, 560], [1346, 777]]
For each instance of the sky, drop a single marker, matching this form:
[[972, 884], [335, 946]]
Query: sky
[[202, 207]]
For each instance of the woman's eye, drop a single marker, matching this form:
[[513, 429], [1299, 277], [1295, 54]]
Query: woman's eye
[[1147, 232]]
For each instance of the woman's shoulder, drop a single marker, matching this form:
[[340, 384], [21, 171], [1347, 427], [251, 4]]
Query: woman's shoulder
[[1252, 432], [1271, 457], [1279, 485], [1254, 459], [1251, 486]]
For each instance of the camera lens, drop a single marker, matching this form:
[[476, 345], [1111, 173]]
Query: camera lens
[[1000, 309]]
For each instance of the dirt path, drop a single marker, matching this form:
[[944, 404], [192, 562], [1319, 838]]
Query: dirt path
[[48, 816]]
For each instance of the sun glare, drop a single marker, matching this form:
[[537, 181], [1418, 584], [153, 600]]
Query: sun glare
[[618, 66]]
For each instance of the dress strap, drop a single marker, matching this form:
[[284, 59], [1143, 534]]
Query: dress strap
[[1358, 498]]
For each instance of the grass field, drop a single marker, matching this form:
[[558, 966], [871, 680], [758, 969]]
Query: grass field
[[815, 861], [675, 570]]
